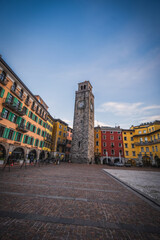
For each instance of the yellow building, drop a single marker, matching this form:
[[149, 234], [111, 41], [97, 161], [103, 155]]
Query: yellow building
[[59, 137], [147, 141], [129, 145], [48, 134], [97, 141]]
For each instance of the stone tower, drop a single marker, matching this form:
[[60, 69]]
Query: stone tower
[[82, 150]]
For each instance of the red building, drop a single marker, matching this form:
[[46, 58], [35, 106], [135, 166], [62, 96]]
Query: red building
[[111, 144]]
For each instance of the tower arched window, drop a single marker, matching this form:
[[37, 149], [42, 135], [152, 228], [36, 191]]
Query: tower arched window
[[2, 76]]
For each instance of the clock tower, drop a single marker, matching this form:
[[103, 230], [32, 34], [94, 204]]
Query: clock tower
[[82, 150]]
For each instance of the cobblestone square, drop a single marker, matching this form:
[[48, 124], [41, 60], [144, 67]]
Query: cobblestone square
[[72, 201]]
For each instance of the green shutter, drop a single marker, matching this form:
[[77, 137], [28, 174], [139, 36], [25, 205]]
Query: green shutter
[[37, 119], [10, 116], [33, 116], [29, 114], [24, 138], [2, 93], [29, 139], [35, 129], [19, 119], [15, 100], [33, 141], [40, 132], [13, 135], [3, 110], [8, 95], [21, 106], [31, 128], [27, 111], [42, 144], [6, 132]]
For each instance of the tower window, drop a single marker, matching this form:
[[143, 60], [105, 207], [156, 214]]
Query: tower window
[[84, 86], [81, 87], [79, 144]]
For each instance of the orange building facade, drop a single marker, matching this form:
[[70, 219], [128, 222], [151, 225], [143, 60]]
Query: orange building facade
[[23, 118]]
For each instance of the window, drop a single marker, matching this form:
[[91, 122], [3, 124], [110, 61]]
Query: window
[[141, 139], [1, 92], [10, 135], [40, 121], [149, 129], [120, 151], [14, 86], [139, 132], [60, 126], [104, 137], [120, 144], [151, 138], [5, 114], [81, 87], [1, 130], [112, 137], [104, 151], [111, 132], [124, 132], [145, 139], [112, 152], [26, 139], [64, 129], [132, 145], [64, 134], [119, 132], [133, 153], [33, 129], [97, 135], [27, 99], [60, 133], [156, 148], [126, 145], [127, 153], [103, 131], [36, 142], [131, 133], [147, 149], [104, 144], [18, 139], [28, 126], [21, 93], [152, 149], [35, 118], [31, 141], [119, 137], [79, 144], [31, 115], [158, 136], [97, 143], [131, 138], [2, 76], [38, 131], [142, 149], [125, 138], [152, 128], [112, 144], [154, 137], [144, 131]]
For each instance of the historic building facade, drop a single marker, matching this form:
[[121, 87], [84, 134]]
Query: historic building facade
[[59, 138], [68, 143], [82, 150], [22, 120], [109, 144]]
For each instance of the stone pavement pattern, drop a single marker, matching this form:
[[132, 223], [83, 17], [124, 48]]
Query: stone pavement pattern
[[147, 182], [72, 201]]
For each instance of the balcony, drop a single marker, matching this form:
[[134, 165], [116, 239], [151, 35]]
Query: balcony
[[27, 102], [147, 142], [13, 107], [17, 93], [33, 108], [63, 143], [22, 128]]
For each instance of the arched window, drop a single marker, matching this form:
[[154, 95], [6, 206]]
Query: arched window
[[14, 86], [21, 93], [2, 76], [112, 152], [37, 108], [40, 111]]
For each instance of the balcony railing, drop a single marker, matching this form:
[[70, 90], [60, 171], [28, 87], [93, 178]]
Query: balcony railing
[[17, 93], [14, 107], [22, 128], [147, 142], [4, 82]]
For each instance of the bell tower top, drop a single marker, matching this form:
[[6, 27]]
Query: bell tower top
[[84, 86]]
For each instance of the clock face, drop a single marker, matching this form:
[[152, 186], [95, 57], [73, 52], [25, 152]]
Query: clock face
[[81, 104]]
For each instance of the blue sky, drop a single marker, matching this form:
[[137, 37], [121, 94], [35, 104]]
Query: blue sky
[[53, 45]]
